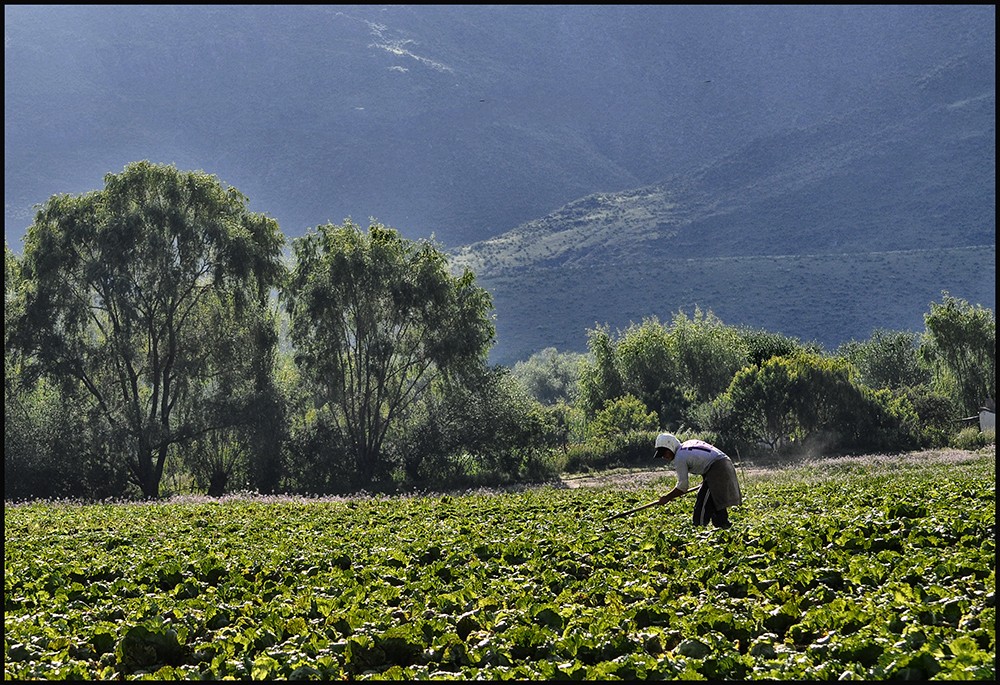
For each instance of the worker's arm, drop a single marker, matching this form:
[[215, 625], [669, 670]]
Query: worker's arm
[[672, 495], [675, 493]]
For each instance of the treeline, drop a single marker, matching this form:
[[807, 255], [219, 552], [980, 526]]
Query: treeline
[[157, 341], [756, 393]]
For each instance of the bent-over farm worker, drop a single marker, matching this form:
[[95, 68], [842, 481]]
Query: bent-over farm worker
[[719, 488]]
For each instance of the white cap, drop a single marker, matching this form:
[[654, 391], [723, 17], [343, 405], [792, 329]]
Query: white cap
[[668, 441]]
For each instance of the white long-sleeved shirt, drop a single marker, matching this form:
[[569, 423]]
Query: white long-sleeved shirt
[[694, 456]]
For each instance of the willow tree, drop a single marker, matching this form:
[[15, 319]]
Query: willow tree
[[116, 285], [375, 320], [960, 344]]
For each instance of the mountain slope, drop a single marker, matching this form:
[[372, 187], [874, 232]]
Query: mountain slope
[[824, 232], [923, 182]]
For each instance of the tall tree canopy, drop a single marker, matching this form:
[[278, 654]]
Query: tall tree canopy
[[961, 346], [117, 285], [668, 367], [375, 319], [888, 359], [550, 376]]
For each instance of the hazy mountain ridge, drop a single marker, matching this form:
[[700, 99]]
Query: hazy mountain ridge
[[465, 122]]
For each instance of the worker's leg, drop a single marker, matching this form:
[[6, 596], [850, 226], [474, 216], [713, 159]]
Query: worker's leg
[[704, 507]]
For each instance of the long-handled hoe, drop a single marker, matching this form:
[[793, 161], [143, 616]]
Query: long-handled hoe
[[644, 506]]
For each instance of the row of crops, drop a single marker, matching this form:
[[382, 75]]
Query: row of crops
[[858, 572]]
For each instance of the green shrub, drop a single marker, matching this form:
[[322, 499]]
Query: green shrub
[[888, 359], [809, 404], [578, 458], [935, 411], [622, 415], [886, 422], [540, 465], [634, 448], [972, 439]]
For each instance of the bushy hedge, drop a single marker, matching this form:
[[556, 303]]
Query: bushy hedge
[[972, 438], [630, 449]]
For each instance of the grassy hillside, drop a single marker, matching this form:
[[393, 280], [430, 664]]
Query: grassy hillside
[[829, 298]]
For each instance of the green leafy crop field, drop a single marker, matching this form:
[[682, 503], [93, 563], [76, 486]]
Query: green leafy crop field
[[865, 569]]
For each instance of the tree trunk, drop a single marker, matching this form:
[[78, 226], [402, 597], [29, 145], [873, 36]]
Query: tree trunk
[[217, 484], [150, 484], [151, 473]]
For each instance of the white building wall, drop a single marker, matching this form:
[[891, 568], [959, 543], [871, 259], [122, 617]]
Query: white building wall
[[987, 420]]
